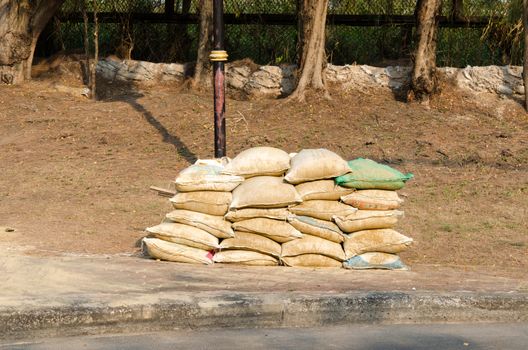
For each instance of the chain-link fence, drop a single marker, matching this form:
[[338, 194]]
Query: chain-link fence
[[269, 35]]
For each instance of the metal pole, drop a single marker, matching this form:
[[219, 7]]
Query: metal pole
[[219, 56], [169, 8]]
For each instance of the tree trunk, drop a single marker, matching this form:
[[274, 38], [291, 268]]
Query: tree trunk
[[457, 10], [311, 58], [179, 47], [86, 41], [93, 69], [126, 42], [21, 22], [525, 63], [202, 76], [424, 77], [406, 41], [389, 7]]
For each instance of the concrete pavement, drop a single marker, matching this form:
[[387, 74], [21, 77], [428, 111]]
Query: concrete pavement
[[75, 295], [370, 337]]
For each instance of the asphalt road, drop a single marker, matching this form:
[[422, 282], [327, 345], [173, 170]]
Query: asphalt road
[[365, 337]]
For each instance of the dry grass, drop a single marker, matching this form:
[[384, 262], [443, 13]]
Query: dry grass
[[75, 174]]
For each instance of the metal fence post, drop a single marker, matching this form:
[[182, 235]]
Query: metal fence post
[[218, 56]]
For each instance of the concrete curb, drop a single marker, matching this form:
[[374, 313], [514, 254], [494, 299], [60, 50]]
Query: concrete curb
[[258, 310]]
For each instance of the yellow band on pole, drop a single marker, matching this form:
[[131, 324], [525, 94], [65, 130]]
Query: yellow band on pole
[[218, 55]]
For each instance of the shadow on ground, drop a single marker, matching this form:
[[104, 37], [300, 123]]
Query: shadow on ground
[[129, 93]]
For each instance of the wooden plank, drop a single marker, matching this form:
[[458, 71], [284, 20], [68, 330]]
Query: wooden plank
[[164, 192]]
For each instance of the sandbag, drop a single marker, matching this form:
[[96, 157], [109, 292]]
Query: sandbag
[[375, 261], [184, 234], [315, 227], [250, 213], [368, 219], [323, 210], [259, 161], [373, 200], [367, 174], [279, 231], [215, 225], [207, 202], [251, 241], [384, 240], [264, 192], [169, 251], [313, 245], [206, 175], [244, 257], [315, 164], [311, 260], [322, 189]]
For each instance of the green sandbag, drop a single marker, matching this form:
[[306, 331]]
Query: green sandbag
[[367, 174]]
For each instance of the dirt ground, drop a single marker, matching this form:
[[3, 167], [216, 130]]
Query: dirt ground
[[75, 174]]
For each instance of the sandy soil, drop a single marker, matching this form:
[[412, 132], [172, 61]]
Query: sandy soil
[[76, 174]]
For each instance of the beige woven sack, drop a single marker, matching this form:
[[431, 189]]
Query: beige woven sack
[[322, 189], [169, 251], [279, 231], [373, 200], [207, 202], [244, 257], [323, 210], [383, 240], [250, 213], [315, 164], [251, 241], [205, 175], [311, 260], [368, 219], [184, 234], [313, 245], [264, 192], [315, 227], [215, 225], [259, 161]]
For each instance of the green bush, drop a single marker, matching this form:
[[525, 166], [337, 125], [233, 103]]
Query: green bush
[[275, 44]]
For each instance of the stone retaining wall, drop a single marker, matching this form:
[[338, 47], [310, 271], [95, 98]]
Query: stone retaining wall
[[274, 81]]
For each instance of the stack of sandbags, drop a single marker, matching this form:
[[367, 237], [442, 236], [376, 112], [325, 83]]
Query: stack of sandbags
[[191, 232], [371, 241], [312, 172], [266, 207], [258, 211]]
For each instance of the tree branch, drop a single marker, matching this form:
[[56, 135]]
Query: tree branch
[[44, 10]]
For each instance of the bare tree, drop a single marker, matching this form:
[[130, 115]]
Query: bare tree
[[311, 47], [21, 22], [525, 63], [203, 66], [86, 40], [179, 47], [125, 46], [457, 10], [93, 70], [424, 77]]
